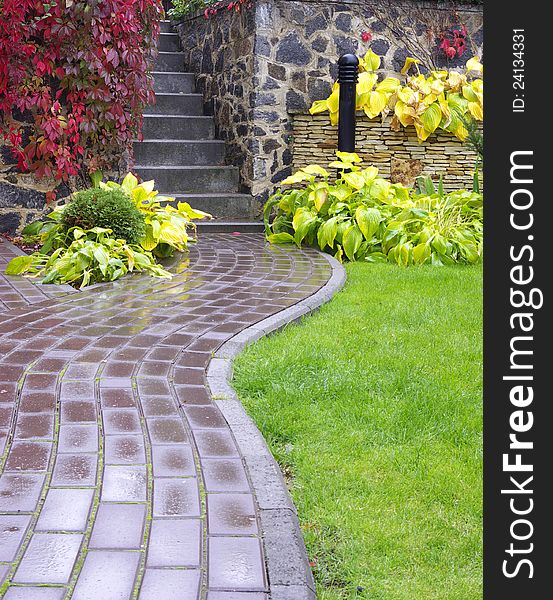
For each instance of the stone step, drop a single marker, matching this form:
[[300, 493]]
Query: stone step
[[166, 26], [191, 179], [171, 83], [177, 127], [178, 153], [178, 104], [222, 205], [169, 42], [169, 62], [234, 226]]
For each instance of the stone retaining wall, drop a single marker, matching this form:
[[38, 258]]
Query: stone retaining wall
[[263, 65], [397, 154]]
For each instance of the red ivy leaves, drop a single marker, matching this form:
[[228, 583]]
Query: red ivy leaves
[[454, 43], [235, 5], [82, 70]]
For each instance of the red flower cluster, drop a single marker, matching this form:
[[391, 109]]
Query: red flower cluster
[[80, 72], [235, 5], [366, 36], [454, 42]]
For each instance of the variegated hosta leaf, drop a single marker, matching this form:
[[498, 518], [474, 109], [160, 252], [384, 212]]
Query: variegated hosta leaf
[[371, 61], [295, 178], [356, 180], [333, 101], [476, 111], [366, 82], [350, 157], [431, 118], [315, 170], [409, 62], [388, 85], [474, 64], [319, 106]]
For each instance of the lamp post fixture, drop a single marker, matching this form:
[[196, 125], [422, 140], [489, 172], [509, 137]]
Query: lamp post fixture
[[348, 74]]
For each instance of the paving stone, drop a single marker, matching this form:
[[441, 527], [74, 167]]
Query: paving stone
[[20, 492], [118, 526], [166, 431], [34, 426], [121, 421], [224, 475], [37, 402], [117, 398], [176, 497], [35, 593], [235, 563], [107, 575], [28, 456], [49, 558], [65, 510], [215, 444], [78, 412], [174, 543], [231, 514], [159, 406], [78, 438], [124, 449], [75, 470], [205, 417], [124, 484], [216, 595], [171, 461], [12, 531], [170, 584]]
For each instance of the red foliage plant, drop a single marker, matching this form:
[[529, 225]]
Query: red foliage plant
[[235, 5], [77, 72]]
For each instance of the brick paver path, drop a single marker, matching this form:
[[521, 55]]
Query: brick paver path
[[120, 478]]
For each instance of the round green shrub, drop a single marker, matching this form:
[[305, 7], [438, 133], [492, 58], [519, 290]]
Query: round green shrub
[[111, 209]]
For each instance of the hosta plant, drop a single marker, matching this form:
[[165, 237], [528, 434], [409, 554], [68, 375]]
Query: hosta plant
[[166, 228], [72, 252], [90, 257], [440, 100], [358, 215]]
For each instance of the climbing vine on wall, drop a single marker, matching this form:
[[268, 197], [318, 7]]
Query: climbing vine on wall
[[74, 80]]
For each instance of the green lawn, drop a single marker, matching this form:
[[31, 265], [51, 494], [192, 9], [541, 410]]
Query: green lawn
[[373, 408]]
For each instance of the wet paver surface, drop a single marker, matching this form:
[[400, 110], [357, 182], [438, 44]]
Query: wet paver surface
[[120, 478]]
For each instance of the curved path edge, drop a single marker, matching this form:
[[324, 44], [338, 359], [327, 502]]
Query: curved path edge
[[287, 564]]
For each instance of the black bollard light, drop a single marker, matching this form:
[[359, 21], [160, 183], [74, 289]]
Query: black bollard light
[[348, 74]]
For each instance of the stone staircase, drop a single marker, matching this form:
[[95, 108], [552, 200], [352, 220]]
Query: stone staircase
[[179, 150]]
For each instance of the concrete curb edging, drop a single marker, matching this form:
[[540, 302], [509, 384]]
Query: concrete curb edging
[[287, 564]]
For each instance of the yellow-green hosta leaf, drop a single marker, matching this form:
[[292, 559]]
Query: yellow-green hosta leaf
[[295, 178], [476, 111], [371, 61], [129, 183], [19, 265], [334, 118], [342, 192], [319, 197], [356, 180], [404, 113], [368, 220], [315, 170], [388, 85], [302, 222], [351, 241], [409, 62], [369, 173], [366, 82], [327, 233], [319, 106], [377, 103], [333, 101], [422, 133], [432, 117], [350, 157], [336, 164], [469, 93], [149, 241], [380, 189], [421, 253], [280, 238], [148, 186], [192, 213], [405, 94], [474, 64]]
